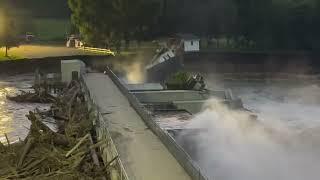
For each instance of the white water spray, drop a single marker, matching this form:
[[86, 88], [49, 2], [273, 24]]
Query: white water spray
[[231, 146]]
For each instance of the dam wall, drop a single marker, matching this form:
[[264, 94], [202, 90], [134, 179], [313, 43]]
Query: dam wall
[[176, 150]]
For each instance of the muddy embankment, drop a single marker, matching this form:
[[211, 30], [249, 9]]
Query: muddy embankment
[[226, 65], [255, 65], [53, 64]]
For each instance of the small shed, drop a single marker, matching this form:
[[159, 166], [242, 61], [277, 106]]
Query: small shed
[[68, 66], [191, 43], [74, 41]]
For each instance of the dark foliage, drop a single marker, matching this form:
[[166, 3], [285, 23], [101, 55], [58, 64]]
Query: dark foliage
[[267, 24]]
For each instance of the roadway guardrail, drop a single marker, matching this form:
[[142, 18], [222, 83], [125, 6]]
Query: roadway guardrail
[[98, 50]]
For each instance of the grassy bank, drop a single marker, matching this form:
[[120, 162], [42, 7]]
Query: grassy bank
[[11, 56]]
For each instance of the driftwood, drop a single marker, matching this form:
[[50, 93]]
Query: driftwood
[[38, 128], [25, 151], [94, 153], [8, 142], [71, 103], [77, 145], [2, 147], [32, 97], [46, 154], [112, 160]]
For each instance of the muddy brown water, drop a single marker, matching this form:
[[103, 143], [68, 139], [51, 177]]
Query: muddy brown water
[[13, 121]]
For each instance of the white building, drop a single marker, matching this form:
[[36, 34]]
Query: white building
[[74, 41], [190, 42], [184, 43]]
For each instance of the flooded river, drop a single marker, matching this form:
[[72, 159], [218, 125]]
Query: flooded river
[[12, 115], [294, 104], [284, 145]]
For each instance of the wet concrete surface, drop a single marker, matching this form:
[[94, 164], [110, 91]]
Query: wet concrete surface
[[142, 153]]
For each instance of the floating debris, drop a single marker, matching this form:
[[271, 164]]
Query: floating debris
[[32, 97], [69, 153], [185, 81]]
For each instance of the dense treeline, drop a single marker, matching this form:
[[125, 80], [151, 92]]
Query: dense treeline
[[260, 24], [105, 22], [270, 24], [8, 28], [43, 8]]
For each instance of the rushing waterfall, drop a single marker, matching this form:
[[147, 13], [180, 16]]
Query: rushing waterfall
[[282, 144]]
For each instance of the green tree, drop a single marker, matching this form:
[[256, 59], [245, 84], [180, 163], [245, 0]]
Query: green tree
[[102, 22], [8, 33], [43, 8], [8, 39], [265, 24], [300, 24]]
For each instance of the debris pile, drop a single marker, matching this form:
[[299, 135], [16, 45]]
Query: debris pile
[[40, 96], [185, 81], [68, 153], [41, 90]]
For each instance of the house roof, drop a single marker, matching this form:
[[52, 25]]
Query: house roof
[[187, 36]]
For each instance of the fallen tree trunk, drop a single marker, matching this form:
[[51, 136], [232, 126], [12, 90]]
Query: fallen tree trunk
[[44, 133], [77, 145], [29, 97], [25, 151]]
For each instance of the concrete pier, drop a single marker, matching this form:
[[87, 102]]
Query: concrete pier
[[142, 153], [168, 96]]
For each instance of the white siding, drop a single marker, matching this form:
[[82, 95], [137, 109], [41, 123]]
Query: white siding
[[67, 66], [166, 56], [163, 57], [191, 45]]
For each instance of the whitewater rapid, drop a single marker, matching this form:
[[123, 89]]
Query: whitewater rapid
[[283, 144]]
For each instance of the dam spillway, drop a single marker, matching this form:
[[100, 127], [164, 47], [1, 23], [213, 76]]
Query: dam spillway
[[288, 110]]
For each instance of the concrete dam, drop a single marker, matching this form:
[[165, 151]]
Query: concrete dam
[[270, 133]]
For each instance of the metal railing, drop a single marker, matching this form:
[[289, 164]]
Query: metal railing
[[108, 149], [98, 50]]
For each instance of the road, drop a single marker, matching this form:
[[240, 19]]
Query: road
[[143, 154], [39, 51]]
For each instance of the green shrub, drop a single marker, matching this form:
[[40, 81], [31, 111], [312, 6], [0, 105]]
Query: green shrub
[[178, 81]]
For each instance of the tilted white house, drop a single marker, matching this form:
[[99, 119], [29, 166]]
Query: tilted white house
[[184, 43], [191, 43]]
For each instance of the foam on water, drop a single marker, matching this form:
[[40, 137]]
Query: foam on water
[[296, 106], [283, 144]]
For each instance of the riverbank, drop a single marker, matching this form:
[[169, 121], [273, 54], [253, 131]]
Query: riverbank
[[10, 57], [12, 115], [68, 151]]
